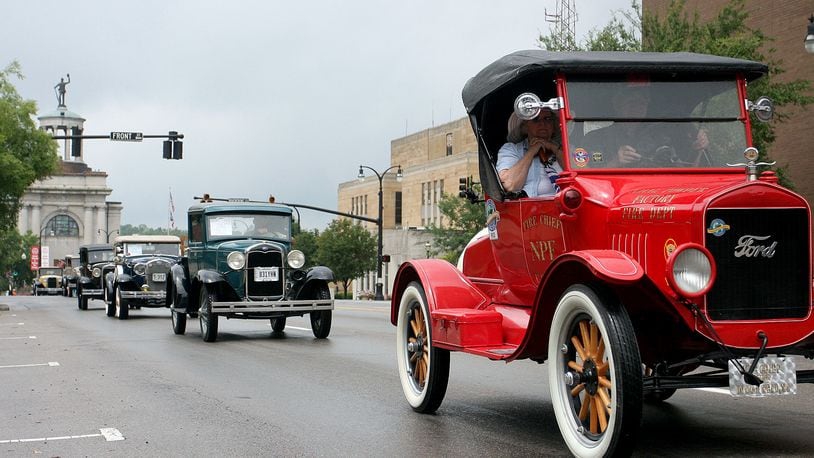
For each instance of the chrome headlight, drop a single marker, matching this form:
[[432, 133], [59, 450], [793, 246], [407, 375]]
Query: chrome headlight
[[236, 260], [691, 270], [97, 272], [140, 268], [296, 259]]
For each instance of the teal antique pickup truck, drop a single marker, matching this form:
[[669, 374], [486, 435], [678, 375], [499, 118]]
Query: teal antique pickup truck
[[239, 264]]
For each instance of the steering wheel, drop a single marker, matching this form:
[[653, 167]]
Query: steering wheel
[[664, 155]]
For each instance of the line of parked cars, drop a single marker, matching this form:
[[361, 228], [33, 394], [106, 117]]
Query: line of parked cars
[[238, 264]]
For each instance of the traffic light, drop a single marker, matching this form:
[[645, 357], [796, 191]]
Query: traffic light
[[173, 148], [463, 186], [76, 143]]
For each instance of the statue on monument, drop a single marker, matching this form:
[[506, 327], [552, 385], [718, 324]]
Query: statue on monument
[[60, 90]]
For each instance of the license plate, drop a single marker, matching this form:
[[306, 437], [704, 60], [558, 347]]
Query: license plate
[[159, 277], [779, 376], [266, 274]]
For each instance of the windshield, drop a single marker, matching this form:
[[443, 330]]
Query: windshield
[[51, 271], [256, 225], [636, 122], [100, 256], [147, 248]]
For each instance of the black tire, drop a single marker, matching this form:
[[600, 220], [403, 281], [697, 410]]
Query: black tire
[[110, 307], [122, 306], [83, 302], [79, 300], [321, 320], [179, 319], [423, 368], [208, 320], [278, 324], [599, 408]]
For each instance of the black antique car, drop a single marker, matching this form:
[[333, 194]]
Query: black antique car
[[94, 262], [139, 278], [240, 264], [70, 274]]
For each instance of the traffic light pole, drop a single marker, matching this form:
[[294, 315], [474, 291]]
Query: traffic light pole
[[173, 146]]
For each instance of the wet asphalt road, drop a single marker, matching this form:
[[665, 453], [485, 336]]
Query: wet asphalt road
[[72, 380]]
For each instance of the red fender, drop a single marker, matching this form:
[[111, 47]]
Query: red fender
[[607, 266], [440, 279]]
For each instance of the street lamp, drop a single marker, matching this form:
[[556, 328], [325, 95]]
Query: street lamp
[[427, 246], [809, 41], [379, 296], [107, 233]]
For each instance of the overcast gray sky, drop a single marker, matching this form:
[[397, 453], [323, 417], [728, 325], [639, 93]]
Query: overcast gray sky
[[283, 98]]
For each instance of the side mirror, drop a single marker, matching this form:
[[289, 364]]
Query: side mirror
[[763, 108], [527, 105]]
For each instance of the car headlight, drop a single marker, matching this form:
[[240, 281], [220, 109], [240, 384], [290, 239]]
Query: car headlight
[[97, 272], [296, 259], [140, 268], [236, 260], [691, 270]]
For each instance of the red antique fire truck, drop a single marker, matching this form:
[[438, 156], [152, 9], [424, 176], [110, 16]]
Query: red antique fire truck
[[685, 265]]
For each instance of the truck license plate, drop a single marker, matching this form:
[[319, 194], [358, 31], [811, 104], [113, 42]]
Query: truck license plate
[[779, 375], [266, 274], [159, 277]]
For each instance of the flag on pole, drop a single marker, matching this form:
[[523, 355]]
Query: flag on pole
[[172, 211]]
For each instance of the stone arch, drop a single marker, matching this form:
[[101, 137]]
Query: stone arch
[[63, 224]]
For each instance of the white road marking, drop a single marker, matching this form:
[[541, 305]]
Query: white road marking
[[15, 338], [294, 327], [11, 324], [716, 390], [50, 364], [110, 434]]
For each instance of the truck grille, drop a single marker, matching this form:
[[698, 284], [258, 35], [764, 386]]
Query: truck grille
[[154, 271], [51, 282], [762, 259], [264, 289]]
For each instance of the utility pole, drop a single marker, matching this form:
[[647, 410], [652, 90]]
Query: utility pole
[[564, 28]]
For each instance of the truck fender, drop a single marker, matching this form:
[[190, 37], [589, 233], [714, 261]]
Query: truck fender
[[209, 277], [181, 288], [608, 267], [434, 275], [319, 273]]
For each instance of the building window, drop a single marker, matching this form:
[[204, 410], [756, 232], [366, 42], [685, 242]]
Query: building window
[[449, 144], [397, 206], [62, 226]]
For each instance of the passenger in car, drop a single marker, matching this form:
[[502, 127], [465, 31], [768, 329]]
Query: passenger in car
[[630, 142], [528, 161]]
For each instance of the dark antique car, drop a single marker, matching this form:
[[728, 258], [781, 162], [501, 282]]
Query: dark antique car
[[663, 261], [239, 264], [70, 274], [139, 279], [95, 261], [48, 281]]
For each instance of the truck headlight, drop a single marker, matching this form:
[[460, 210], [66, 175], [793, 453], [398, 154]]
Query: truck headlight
[[691, 270], [97, 272], [140, 269], [296, 259], [236, 260]]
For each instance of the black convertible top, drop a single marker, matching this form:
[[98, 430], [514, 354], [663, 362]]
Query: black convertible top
[[517, 64]]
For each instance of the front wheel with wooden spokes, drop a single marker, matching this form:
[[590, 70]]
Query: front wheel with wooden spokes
[[423, 368], [595, 374]]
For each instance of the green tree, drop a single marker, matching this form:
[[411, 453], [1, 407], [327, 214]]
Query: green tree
[[308, 243], [727, 34], [348, 249], [27, 154], [14, 268], [143, 229], [463, 220]]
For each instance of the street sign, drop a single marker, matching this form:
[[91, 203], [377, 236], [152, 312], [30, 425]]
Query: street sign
[[35, 258], [126, 136]]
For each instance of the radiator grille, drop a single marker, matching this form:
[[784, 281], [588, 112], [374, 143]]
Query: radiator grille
[[264, 289], [157, 267], [762, 260]]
